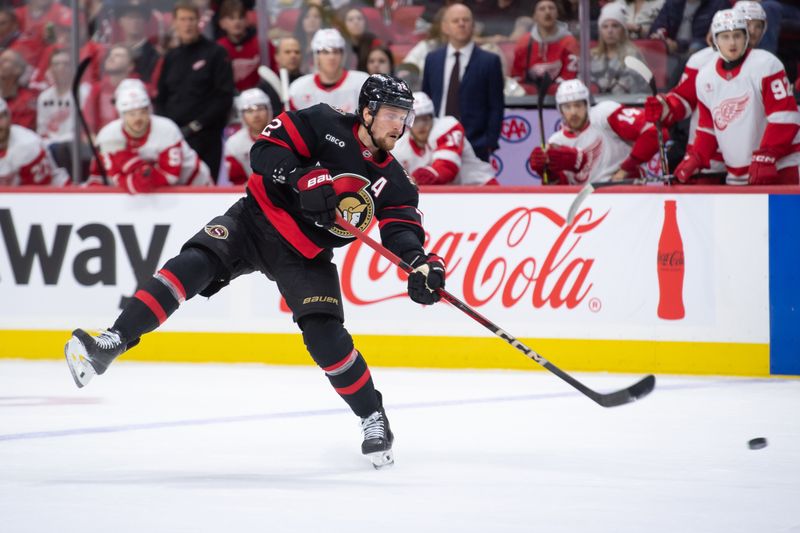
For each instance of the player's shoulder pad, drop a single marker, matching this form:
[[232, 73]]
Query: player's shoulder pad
[[445, 124], [701, 57], [765, 63], [599, 113], [24, 144], [323, 116], [165, 129], [399, 177]]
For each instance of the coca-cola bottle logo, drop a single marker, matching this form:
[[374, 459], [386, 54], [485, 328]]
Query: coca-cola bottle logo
[[491, 263]]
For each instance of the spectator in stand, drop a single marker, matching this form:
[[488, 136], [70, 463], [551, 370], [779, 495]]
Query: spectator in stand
[[332, 83], [466, 82], [256, 112], [609, 72], [549, 49], [380, 61], [20, 100], [360, 39], [501, 20], [9, 29], [195, 88], [98, 109], [640, 16], [36, 21], [290, 57], [311, 19], [435, 152], [778, 11], [54, 122], [133, 17], [683, 25], [241, 43], [24, 160], [433, 40]]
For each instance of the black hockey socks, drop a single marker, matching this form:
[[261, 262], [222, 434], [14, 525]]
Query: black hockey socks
[[331, 346], [182, 277]]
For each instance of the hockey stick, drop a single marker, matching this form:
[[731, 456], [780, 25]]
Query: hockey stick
[[266, 74], [590, 187], [542, 86], [76, 84], [636, 391], [644, 71]]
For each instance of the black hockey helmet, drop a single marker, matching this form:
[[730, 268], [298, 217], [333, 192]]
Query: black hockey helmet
[[383, 89]]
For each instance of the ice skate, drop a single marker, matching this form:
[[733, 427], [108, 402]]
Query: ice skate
[[88, 355], [378, 438]]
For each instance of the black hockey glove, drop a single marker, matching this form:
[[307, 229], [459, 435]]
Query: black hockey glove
[[318, 200], [427, 277]]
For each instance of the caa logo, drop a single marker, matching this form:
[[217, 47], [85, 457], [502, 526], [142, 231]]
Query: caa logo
[[334, 140], [515, 129], [497, 164]]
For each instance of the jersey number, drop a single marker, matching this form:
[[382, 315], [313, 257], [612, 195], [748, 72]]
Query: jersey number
[[780, 88], [275, 124], [174, 156], [629, 115]]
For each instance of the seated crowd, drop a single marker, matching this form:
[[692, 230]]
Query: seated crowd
[[175, 93]]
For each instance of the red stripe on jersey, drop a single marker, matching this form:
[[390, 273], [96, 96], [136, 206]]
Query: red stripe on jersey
[[346, 359], [383, 222], [147, 299], [195, 172], [176, 283], [355, 387], [387, 208], [276, 141], [294, 135], [281, 220]]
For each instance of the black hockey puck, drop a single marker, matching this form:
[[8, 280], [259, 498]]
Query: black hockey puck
[[757, 443]]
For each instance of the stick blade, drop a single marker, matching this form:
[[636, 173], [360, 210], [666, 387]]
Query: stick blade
[[640, 67], [576, 203], [637, 391]]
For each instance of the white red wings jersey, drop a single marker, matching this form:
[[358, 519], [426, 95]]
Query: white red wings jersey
[[746, 109], [26, 161], [308, 90], [447, 151], [172, 160], [237, 155], [54, 114], [606, 141]]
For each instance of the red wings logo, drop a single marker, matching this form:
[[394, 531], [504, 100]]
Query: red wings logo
[[729, 110], [592, 154]]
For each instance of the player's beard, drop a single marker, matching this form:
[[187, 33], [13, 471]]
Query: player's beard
[[386, 143]]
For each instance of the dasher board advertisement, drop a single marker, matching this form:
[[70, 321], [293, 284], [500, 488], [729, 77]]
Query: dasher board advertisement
[[653, 275]]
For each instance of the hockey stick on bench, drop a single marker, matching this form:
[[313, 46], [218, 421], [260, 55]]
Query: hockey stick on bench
[[636, 391], [644, 71], [590, 187]]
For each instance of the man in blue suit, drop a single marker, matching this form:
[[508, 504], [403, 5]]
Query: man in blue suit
[[466, 82]]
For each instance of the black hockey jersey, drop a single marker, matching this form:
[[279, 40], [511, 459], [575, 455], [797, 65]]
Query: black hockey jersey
[[367, 190]]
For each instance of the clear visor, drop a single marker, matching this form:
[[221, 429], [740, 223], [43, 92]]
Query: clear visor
[[394, 114]]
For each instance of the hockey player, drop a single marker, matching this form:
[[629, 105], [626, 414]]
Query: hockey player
[[746, 111], [285, 228], [140, 151], [256, 112], [332, 83], [681, 101], [436, 152], [24, 159], [606, 142]]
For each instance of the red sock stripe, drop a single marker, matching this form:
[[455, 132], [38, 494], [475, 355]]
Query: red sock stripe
[[172, 278], [355, 387], [148, 300], [349, 358]]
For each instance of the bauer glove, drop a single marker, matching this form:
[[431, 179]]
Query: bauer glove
[[565, 158], [688, 167], [427, 277], [318, 200], [538, 160], [655, 109]]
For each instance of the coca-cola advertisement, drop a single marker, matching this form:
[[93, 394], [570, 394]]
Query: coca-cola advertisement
[[511, 256]]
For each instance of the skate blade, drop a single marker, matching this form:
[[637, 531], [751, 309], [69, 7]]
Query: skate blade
[[381, 459], [79, 366]]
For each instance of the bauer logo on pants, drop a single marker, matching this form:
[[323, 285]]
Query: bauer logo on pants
[[217, 231]]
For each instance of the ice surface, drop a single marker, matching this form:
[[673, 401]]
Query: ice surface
[[235, 448]]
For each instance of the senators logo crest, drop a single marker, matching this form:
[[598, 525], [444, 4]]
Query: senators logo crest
[[355, 204], [729, 111]]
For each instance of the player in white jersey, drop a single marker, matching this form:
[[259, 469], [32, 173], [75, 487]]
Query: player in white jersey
[[608, 141], [436, 152], [141, 151], [256, 112], [24, 159], [331, 84], [746, 111], [681, 101]]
